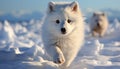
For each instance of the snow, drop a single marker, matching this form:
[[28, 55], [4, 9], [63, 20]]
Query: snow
[[21, 47]]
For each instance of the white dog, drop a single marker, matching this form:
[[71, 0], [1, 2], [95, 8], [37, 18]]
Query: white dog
[[98, 24], [63, 32]]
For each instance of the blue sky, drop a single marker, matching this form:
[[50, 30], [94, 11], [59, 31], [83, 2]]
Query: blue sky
[[40, 5]]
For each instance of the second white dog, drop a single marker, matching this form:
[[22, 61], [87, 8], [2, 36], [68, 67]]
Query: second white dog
[[98, 24]]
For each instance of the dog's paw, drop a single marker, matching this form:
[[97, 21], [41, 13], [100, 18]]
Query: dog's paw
[[59, 59]]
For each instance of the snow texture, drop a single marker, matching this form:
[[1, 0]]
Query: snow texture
[[21, 47]]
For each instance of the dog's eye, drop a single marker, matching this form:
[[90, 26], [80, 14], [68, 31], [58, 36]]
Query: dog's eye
[[96, 20], [57, 21], [69, 21]]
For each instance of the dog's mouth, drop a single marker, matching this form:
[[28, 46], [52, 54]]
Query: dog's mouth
[[63, 30]]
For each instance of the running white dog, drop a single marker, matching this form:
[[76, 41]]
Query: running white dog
[[98, 24], [63, 32]]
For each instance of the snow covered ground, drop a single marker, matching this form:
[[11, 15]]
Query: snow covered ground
[[21, 47]]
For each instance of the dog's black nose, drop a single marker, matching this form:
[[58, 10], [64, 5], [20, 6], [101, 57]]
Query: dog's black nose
[[63, 30], [98, 24]]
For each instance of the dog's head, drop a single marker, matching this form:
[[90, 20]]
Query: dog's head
[[62, 18], [99, 18]]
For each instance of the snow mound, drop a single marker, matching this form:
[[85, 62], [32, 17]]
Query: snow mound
[[7, 32]]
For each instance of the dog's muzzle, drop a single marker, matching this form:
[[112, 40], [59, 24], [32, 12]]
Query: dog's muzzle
[[63, 30]]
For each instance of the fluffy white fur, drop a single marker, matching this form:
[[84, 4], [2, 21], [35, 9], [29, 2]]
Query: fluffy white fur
[[63, 48], [98, 24]]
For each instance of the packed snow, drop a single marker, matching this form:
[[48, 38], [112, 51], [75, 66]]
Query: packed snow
[[21, 47]]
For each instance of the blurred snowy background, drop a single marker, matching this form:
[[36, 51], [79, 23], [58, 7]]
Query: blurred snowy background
[[21, 46]]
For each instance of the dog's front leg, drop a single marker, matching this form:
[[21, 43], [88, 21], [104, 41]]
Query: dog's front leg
[[57, 55]]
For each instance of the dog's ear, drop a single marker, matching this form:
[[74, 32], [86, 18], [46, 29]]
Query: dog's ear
[[51, 6], [74, 5]]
